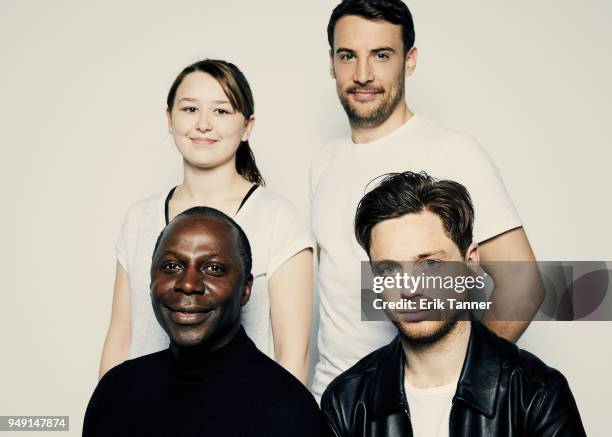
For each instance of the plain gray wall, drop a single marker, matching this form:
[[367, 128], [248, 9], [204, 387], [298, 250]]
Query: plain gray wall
[[84, 136]]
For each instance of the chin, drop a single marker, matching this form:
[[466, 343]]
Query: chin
[[187, 339], [426, 332]]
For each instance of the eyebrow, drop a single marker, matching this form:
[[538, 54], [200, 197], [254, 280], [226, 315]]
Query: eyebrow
[[169, 253], [378, 49], [191, 99], [428, 254]]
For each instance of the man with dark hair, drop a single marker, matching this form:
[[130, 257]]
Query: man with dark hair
[[212, 380], [442, 375], [371, 53]]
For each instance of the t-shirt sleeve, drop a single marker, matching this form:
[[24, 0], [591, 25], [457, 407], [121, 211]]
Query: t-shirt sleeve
[[127, 235], [296, 415], [494, 210], [290, 236]]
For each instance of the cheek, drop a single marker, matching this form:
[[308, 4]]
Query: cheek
[[344, 73], [159, 288], [182, 124], [230, 129]]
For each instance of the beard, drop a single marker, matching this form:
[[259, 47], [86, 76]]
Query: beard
[[375, 116], [425, 338]]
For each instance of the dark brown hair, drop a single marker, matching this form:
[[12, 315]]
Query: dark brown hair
[[393, 11], [238, 91], [410, 193]]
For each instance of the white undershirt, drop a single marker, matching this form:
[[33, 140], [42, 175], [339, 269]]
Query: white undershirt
[[430, 409]]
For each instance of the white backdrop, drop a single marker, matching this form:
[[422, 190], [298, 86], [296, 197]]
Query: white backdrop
[[84, 135]]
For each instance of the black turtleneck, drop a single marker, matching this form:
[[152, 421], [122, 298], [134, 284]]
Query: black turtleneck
[[235, 390]]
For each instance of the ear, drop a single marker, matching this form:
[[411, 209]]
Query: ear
[[332, 72], [169, 118], [472, 258], [249, 128], [411, 61], [246, 292]]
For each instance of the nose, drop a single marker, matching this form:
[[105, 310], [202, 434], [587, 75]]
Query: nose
[[363, 74], [203, 123], [190, 282]]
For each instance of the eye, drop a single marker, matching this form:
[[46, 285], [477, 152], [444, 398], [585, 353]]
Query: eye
[[387, 269], [430, 264], [171, 266], [214, 269], [189, 109], [382, 56], [221, 111], [346, 57]]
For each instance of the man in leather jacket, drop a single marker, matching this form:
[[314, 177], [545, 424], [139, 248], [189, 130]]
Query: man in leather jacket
[[443, 375]]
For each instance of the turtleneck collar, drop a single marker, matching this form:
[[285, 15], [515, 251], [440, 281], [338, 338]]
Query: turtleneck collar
[[207, 363]]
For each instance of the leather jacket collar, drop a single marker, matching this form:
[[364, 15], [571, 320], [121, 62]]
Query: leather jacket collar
[[478, 384]]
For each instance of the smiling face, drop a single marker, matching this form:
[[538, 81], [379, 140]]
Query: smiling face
[[369, 66], [207, 130], [198, 283], [421, 240]]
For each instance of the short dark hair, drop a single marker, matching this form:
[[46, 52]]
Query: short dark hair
[[244, 248], [410, 193], [393, 11]]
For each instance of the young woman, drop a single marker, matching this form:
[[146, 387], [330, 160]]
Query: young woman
[[210, 113]]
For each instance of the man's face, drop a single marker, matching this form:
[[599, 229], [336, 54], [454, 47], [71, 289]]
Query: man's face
[[419, 239], [369, 66], [197, 281]]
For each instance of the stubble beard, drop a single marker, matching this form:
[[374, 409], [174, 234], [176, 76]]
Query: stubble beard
[[420, 341], [378, 115]]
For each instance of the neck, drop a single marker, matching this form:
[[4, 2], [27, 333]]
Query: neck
[[439, 363], [203, 186], [201, 350], [367, 134]]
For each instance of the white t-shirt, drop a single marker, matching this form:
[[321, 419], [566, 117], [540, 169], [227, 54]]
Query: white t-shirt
[[339, 176], [430, 409], [275, 231]]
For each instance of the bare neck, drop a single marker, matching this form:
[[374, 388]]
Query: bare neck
[[221, 188], [400, 115], [204, 186], [440, 363]]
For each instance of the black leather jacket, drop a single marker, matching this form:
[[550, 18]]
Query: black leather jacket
[[502, 391]]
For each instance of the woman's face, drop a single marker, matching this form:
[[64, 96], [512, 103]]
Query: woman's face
[[206, 129]]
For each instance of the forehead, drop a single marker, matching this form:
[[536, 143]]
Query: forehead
[[200, 234], [200, 86], [405, 238], [357, 33]]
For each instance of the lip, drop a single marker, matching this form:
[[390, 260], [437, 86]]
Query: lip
[[365, 96], [188, 315], [203, 140]]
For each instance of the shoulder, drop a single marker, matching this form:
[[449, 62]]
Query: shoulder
[[449, 140], [271, 381], [328, 151], [120, 390], [297, 414], [144, 206], [528, 367], [274, 390], [325, 156], [534, 370], [544, 389], [273, 202], [141, 368], [271, 213]]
